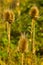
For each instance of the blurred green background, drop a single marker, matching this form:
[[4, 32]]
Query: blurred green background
[[21, 24]]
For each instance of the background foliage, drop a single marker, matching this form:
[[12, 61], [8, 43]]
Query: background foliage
[[21, 24]]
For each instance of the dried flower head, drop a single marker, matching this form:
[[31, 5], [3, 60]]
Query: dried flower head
[[8, 16], [23, 44], [34, 12]]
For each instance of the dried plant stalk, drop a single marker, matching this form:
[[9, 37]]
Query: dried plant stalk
[[9, 18], [8, 33], [23, 46], [33, 35], [34, 13], [22, 58]]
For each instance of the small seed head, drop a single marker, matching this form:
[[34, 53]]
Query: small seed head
[[34, 12], [23, 44], [8, 16]]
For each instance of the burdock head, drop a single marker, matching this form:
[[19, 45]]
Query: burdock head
[[34, 12], [8, 16], [23, 44]]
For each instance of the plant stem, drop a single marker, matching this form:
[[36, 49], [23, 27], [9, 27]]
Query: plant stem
[[33, 40], [33, 35], [22, 58], [8, 33]]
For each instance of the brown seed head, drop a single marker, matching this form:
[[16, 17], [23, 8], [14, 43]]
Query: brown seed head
[[23, 44], [8, 16], [34, 12]]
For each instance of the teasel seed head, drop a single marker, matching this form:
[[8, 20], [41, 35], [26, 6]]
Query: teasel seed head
[[9, 16], [34, 12], [23, 44]]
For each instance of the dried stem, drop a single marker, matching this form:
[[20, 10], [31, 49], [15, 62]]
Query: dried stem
[[33, 35], [22, 58], [33, 41], [8, 32]]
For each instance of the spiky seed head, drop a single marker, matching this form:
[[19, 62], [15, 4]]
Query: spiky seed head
[[23, 44], [34, 12], [8, 16]]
